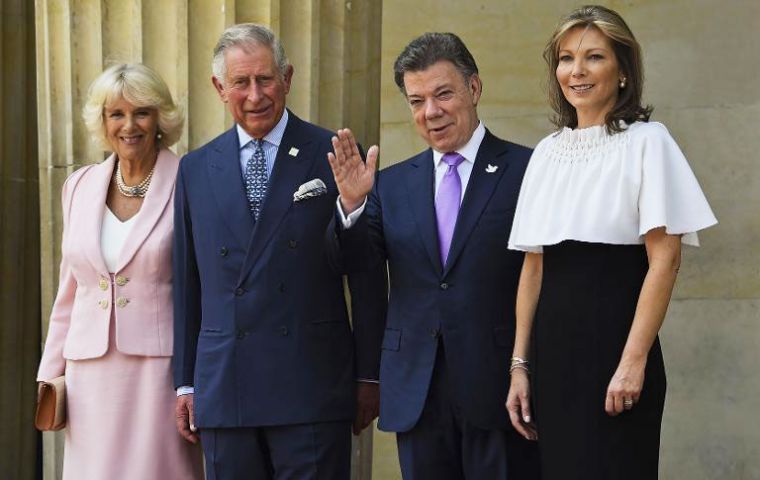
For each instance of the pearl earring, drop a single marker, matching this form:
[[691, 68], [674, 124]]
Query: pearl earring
[[159, 136], [622, 82]]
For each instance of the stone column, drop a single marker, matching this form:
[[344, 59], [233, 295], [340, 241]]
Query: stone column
[[19, 242]]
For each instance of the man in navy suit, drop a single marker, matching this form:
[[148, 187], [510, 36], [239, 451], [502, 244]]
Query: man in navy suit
[[441, 220], [264, 356]]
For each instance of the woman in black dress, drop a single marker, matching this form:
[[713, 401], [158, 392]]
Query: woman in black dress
[[604, 207]]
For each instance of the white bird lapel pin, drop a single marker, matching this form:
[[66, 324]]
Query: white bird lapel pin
[[491, 168], [293, 152]]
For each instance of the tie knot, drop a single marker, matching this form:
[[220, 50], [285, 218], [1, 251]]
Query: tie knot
[[257, 142], [452, 159]]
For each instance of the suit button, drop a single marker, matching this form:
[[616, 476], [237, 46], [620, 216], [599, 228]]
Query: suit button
[[444, 286], [283, 330], [292, 243], [223, 251], [239, 292], [122, 302], [121, 281], [103, 284], [434, 332], [103, 304], [239, 334]]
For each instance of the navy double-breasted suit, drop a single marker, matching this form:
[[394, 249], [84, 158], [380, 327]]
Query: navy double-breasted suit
[[261, 324], [467, 305]]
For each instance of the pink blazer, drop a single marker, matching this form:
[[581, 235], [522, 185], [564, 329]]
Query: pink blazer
[[140, 294]]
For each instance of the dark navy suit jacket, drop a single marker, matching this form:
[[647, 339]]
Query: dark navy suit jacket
[[468, 304], [261, 324]]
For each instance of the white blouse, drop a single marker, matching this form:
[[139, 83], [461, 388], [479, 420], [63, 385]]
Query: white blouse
[[113, 235], [590, 186]]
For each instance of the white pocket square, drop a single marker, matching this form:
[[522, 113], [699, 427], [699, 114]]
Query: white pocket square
[[312, 188], [491, 168]]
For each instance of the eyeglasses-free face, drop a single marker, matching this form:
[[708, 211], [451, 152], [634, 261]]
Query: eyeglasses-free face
[[589, 74]]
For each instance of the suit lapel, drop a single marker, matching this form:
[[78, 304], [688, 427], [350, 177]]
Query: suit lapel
[[420, 184], [288, 174], [227, 186], [154, 204], [483, 180], [93, 192]]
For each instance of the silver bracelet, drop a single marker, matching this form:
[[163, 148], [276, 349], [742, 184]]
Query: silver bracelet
[[518, 361], [522, 366]]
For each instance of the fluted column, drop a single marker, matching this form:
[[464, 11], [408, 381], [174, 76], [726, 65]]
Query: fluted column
[[334, 46], [19, 242]]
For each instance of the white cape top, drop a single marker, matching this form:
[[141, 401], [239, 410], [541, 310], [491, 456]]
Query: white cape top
[[590, 186]]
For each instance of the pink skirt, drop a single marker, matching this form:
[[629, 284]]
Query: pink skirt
[[121, 421]]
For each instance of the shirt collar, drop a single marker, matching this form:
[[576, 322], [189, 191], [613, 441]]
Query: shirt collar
[[274, 136], [470, 150]]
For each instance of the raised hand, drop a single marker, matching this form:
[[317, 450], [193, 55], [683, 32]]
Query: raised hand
[[353, 177]]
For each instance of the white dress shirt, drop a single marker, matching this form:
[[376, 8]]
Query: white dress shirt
[[270, 145]]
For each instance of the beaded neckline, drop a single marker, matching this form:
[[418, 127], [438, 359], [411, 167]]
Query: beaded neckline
[[589, 137]]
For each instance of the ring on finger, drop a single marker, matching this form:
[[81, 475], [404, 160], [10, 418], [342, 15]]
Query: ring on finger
[[628, 403]]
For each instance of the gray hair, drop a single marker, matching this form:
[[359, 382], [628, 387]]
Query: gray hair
[[430, 48], [244, 35]]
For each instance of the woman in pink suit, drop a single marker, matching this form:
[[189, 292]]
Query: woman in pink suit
[[111, 326]]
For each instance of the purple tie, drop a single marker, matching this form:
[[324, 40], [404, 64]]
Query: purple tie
[[447, 203]]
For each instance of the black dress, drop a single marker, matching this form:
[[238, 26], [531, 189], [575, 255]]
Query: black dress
[[587, 201], [585, 310]]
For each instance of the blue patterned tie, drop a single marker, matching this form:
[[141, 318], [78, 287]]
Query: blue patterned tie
[[256, 178]]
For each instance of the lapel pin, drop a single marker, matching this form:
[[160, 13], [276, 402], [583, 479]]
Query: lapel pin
[[293, 152], [491, 168]]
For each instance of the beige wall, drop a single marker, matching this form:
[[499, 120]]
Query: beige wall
[[702, 75]]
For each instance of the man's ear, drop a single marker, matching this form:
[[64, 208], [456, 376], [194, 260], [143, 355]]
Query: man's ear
[[219, 88], [287, 77], [475, 85]]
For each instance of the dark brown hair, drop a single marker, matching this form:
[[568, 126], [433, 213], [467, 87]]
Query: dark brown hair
[[431, 48]]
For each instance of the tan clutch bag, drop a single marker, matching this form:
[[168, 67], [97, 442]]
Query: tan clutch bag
[[51, 406]]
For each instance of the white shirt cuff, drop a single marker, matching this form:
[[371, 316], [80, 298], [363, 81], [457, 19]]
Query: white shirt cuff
[[185, 390], [367, 380], [348, 221]]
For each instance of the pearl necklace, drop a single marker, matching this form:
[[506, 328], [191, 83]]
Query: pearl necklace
[[138, 190]]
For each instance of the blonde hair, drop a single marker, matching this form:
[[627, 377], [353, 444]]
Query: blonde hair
[[628, 107], [140, 86]]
